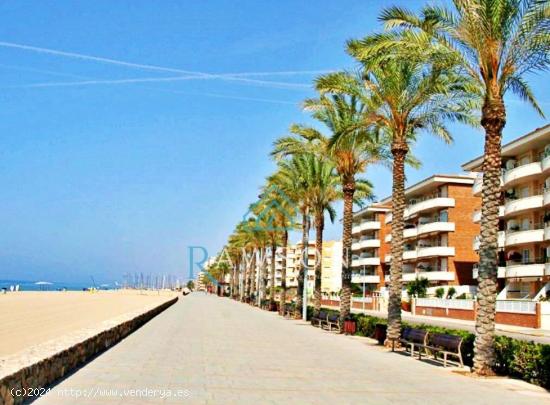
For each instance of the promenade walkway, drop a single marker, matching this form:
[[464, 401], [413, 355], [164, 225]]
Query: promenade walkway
[[206, 349]]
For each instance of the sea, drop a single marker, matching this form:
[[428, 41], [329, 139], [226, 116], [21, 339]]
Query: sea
[[26, 285]]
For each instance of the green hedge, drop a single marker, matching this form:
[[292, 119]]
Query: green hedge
[[528, 361]]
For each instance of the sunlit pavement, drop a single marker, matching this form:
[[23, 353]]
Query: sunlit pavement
[[206, 349]]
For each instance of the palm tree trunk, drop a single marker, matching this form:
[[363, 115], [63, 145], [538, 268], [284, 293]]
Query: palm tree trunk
[[399, 151], [252, 275], [345, 296], [493, 121], [319, 226], [263, 274], [272, 289], [282, 298], [246, 275], [303, 267]]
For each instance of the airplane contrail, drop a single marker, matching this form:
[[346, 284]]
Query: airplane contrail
[[242, 77], [155, 79], [199, 94]]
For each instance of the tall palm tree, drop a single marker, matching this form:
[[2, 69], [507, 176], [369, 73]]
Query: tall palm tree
[[497, 43], [292, 179], [281, 210], [325, 190], [402, 97], [350, 156], [286, 191]]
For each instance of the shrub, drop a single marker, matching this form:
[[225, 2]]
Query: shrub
[[418, 287], [451, 292], [439, 292], [528, 361]]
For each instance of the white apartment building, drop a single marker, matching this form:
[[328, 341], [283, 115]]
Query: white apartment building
[[524, 228]]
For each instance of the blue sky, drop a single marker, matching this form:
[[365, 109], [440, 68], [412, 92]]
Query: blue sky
[[103, 177]]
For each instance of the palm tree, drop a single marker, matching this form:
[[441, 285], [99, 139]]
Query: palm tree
[[322, 191], [497, 42], [280, 209], [292, 180], [401, 97], [350, 155], [284, 190]]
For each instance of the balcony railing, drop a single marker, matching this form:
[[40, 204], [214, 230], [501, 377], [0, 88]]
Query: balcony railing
[[521, 172], [516, 306], [513, 205]]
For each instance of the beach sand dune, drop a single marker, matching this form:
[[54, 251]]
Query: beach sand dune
[[31, 318]]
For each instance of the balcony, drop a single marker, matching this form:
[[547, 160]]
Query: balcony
[[523, 237], [387, 239], [521, 173], [365, 243], [476, 217], [501, 272], [478, 184], [389, 218], [516, 270], [523, 204], [477, 188], [365, 261], [366, 279], [366, 226], [545, 164], [409, 255], [409, 233], [501, 240], [429, 204], [433, 227], [430, 275], [435, 251]]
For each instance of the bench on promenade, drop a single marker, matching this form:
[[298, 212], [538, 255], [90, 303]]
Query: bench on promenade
[[319, 319], [333, 320], [449, 345], [412, 338]]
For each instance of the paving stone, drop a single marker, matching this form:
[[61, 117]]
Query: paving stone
[[226, 352]]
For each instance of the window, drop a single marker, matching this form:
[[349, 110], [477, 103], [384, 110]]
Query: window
[[525, 257]]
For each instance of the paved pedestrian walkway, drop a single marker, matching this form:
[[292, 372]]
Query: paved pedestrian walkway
[[206, 349]]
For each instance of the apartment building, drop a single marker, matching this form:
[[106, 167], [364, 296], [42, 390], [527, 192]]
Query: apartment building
[[331, 264], [368, 247], [524, 226], [331, 268], [437, 236]]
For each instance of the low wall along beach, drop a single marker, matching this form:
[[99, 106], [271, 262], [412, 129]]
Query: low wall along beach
[[42, 364]]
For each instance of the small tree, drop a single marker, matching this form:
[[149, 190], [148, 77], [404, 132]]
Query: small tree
[[191, 285], [418, 287], [439, 292], [451, 292]]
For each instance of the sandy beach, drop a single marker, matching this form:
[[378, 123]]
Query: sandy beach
[[31, 318]]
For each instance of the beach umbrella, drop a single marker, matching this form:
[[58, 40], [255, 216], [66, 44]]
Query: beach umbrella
[[43, 284]]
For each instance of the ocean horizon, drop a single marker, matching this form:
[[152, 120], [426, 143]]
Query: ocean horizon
[[31, 285]]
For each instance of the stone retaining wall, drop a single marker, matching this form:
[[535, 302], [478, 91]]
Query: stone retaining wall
[[48, 370]]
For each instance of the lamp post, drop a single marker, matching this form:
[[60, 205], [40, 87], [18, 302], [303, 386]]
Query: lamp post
[[305, 257], [364, 287]]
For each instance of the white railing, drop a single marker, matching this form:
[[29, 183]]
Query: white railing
[[517, 306], [445, 303], [514, 306]]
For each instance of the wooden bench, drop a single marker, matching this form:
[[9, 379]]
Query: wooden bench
[[333, 320], [319, 319], [449, 345], [412, 338]]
